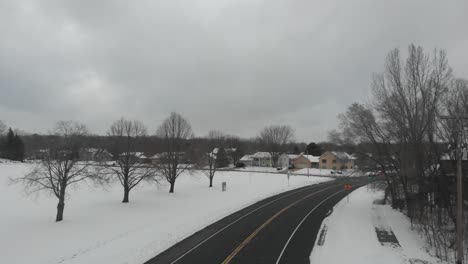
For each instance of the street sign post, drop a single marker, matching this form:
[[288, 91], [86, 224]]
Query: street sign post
[[347, 187]]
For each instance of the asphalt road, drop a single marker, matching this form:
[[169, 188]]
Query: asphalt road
[[279, 229]]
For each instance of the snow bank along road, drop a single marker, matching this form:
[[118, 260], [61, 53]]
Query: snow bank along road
[[279, 229]]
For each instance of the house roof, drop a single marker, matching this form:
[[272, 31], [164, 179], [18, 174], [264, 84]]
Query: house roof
[[312, 158], [95, 150], [261, 155], [140, 155], [341, 155], [215, 150], [291, 156], [162, 154], [246, 158]]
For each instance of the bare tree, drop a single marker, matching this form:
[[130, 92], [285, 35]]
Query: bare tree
[[207, 161], [60, 168], [128, 168], [274, 139], [401, 131], [174, 132]]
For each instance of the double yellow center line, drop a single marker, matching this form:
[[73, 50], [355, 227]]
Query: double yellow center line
[[251, 236]]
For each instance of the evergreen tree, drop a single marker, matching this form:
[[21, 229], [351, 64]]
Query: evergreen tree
[[9, 147], [296, 149], [13, 147], [314, 149], [222, 158], [19, 148]]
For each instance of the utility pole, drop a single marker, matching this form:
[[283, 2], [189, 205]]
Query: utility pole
[[460, 219]]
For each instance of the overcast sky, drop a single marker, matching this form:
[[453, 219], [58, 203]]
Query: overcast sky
[[232, 65]]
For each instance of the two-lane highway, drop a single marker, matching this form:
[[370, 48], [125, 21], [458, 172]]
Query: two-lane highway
[[279, 229]]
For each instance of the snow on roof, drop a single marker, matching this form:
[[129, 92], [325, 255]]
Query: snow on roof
[[312, 158], [341, 155], [215, 150], [140, 155], [261, 155], [246, 158], [290, 156], [162, 154]]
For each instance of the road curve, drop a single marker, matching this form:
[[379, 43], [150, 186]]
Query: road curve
[[279, 229]]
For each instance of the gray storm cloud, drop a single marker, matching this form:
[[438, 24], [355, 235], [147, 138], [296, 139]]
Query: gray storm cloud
[[230, 65]]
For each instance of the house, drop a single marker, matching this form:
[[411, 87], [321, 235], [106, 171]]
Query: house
[[262, 159], [228, 150], [93, 154], [286, 160], [247, 160], [336, 160], [159, 157], [137, 157], [306, 161], [39, 154], [229, 154]]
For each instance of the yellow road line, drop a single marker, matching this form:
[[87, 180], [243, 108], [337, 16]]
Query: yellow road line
[[251, 236]]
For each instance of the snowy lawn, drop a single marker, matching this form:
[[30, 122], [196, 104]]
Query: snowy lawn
[[349, 234], [98, 228]]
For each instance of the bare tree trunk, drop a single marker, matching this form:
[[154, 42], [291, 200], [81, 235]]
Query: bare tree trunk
[[126, 194], [211, 181], [60, 208], [171, 190]]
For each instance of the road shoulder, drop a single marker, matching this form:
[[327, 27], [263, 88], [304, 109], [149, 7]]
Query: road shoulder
[[363, 231]]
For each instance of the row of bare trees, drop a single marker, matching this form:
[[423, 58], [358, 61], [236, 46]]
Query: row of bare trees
[[61, 167], [401, 131]]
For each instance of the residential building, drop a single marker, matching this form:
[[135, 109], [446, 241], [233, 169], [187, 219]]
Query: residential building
[[262, 159], [286, 160], [247, 160], [229, 152], [94, 154], [39, 154], [336, 160], [158, 157], [306, 161]]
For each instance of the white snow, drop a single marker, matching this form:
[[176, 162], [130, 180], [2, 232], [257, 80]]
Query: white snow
[[98, 228], [351, 237], [312, 158]]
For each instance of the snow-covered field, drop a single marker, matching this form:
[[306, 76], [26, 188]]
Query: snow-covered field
[[98, 228], [350, 234]]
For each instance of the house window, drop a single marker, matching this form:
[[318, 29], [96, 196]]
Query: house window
[[334, 161], [334, 167], [324, 161]]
